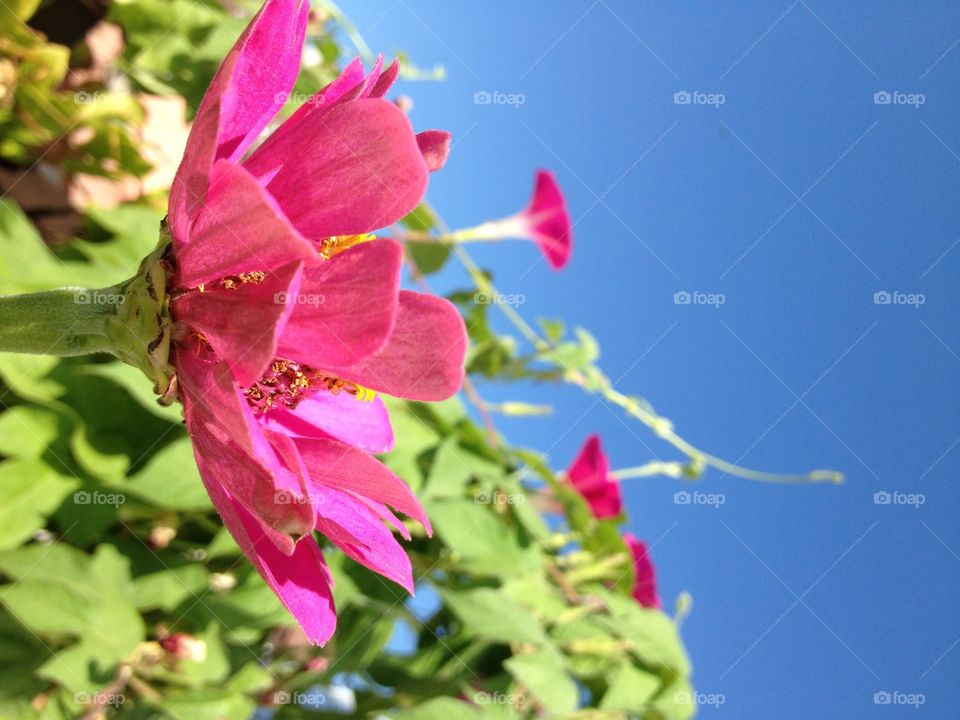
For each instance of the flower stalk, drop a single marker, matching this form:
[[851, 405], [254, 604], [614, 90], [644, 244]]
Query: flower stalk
[[129, 320]]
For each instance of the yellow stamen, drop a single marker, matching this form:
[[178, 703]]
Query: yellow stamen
[[339, 243]]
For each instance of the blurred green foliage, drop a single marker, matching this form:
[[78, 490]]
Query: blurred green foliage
[[108, 543]]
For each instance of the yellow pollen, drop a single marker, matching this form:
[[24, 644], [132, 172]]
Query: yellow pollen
[[288, 383], [339, 243]]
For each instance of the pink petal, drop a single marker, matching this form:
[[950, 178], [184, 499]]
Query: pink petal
[[247, 91], [243, 325], [364, 425], [346, 171], [301, 580], [423, 358], [435, 146], [321, 101], [549, 220], [254, 475], [361, 535], [386, 79], [645, 584], [590, 475], [385, 514], [240, 228], [339, 466], [345, 307]]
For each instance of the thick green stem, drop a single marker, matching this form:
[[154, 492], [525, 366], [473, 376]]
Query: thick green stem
[[66, 321]]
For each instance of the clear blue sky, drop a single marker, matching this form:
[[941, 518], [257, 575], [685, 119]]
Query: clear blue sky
[[798, 199]]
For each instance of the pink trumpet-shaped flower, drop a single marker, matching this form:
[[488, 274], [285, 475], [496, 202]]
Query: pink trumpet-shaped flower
[[545, 221], [288, 315], [590, 475], [645, 582]]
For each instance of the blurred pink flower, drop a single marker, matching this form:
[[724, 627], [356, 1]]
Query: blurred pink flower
[[288, 314], [590, 475], [645, 584], [547, 221]]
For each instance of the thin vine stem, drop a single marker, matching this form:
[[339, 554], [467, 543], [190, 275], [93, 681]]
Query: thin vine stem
[[601, 385]]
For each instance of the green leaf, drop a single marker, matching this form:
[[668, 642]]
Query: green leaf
[[452, 468], [26, 431], [629, 688], [479, 541], [168, 588], [441, 709], [545, 675], [490, 614], [82, 596], [171, 479], [28, 375], [137, 386], [653, 634], [30, 490], [22, 654], [209, 705]]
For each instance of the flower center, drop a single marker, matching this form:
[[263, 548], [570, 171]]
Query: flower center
[[287, 383]]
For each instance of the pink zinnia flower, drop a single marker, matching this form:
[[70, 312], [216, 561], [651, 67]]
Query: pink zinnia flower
[[645, 584], [288, 314], [590, 475]]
